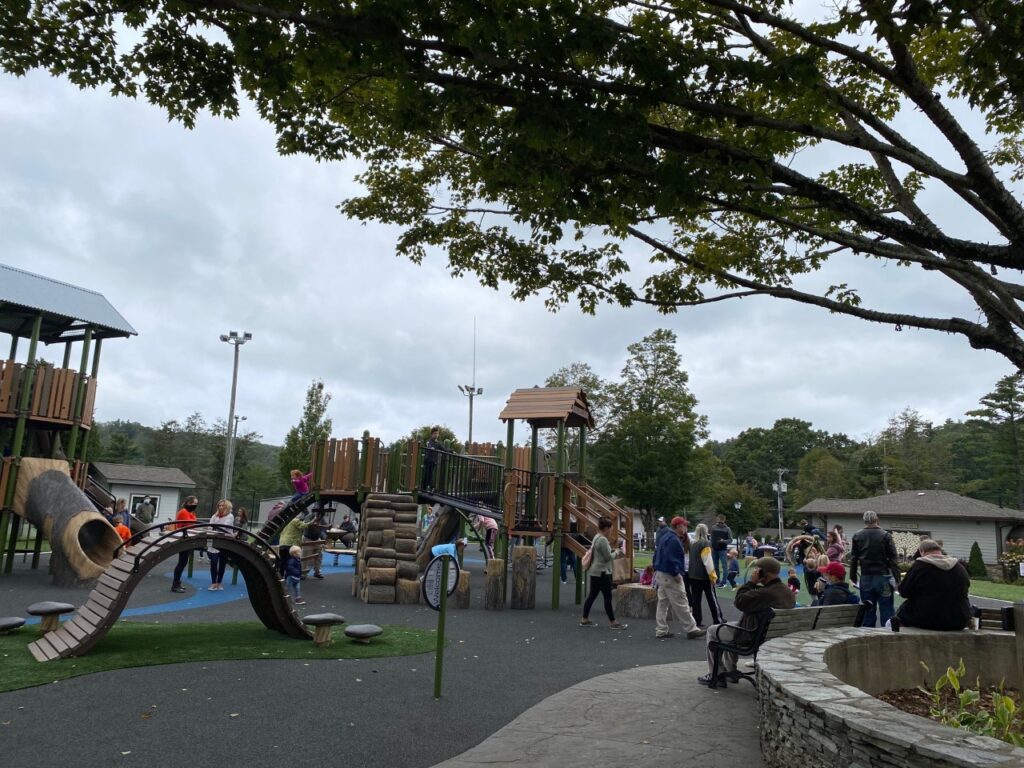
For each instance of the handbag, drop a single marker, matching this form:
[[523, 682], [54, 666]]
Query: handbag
[[588, 558]]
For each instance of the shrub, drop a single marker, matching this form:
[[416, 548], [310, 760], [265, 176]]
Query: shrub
[[1003, 719], [975, 565]]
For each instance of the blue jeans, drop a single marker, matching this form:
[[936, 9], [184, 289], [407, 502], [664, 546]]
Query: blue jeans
[[721, 560], [878, 591], [568, 559]]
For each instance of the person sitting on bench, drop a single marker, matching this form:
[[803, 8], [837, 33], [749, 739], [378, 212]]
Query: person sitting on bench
[[935, 591], [763, 589], [349, 529]]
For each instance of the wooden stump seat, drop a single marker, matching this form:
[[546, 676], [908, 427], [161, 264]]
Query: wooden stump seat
[[363, 633], [50, 612], [635, 601], [322, 623]]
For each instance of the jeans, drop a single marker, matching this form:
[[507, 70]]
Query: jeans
[[294, 586], [721, 560], [218, 564], [179, 569], [568, 559], [879, 592]]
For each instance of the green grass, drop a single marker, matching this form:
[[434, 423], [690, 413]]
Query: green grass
[[1012, 592], [138, 644]]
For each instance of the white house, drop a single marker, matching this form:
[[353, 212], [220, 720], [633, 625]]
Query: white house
[[957, 521], [164, 486]]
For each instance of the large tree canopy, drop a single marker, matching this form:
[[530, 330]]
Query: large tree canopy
[[732, 144]]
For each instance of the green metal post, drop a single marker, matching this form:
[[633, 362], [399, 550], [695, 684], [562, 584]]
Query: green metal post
[[14, 347], [531, 498], [439, 650], [191, 561], [503, 544], [79, 397], [67, 355], [37, 549], [95, 373], [556, 548], [7, 519]]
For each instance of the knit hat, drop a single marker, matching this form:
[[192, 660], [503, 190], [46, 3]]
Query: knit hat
[[768, 565], [679, 520], [836, 570]]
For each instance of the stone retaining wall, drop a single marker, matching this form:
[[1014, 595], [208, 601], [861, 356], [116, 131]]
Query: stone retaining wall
[[810, 714]]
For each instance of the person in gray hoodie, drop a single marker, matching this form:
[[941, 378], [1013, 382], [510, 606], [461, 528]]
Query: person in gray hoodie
[[935, 591]]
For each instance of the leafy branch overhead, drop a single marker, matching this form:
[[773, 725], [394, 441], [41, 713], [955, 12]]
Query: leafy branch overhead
[[669, 152]]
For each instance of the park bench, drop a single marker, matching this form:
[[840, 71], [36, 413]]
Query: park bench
[[999, 619], [777, 622]]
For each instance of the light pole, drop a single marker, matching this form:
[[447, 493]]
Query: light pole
[[232, 440], [470, 391], [235, 339], [780, 488]]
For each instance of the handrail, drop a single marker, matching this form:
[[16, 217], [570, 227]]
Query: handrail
[[480, 482], [181, 530]]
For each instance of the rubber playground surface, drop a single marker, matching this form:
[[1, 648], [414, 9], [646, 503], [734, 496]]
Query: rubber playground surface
[[373, 712]]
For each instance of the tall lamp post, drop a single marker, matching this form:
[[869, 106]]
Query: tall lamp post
[[235, 339], [233, 440], [470, 391]]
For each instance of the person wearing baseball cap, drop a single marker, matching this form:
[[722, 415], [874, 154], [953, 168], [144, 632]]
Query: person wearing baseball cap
[[837, 591], [669, 567], [762, 590]]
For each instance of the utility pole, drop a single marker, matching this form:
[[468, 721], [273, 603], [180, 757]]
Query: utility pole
[[471, 391], [780, 488], [235, 339]]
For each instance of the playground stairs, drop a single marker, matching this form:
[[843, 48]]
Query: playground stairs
[[273, 527], [113, 589]]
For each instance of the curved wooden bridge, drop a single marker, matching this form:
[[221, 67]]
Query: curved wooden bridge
[[132, 562]]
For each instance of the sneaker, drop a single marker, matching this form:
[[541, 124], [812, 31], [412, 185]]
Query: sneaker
[[212, 588], [617, 625], [665, 635], [586, 623], [719, 586], [300, 601], [694, 633], [318, 575], [177, 588], [706, 680]]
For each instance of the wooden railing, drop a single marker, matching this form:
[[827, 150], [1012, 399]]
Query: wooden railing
[[587, 505], [52, 395]]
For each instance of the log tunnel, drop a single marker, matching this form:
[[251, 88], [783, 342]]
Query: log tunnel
[[82, 542]]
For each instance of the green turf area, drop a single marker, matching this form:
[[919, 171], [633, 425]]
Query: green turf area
[[1012, 592], [137, 644], [642, 559]]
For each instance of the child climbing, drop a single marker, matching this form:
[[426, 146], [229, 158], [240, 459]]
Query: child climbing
[[300, 483]]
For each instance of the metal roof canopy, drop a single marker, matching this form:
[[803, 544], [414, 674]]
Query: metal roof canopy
[[545, 407], [67, 310]]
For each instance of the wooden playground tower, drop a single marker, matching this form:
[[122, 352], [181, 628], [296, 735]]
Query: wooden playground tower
[[509, 484], [46, 411]]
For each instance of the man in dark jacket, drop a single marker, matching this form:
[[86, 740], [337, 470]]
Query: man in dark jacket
[[935, 589], [669, 565], [873, 555], [721, 535], [763, 589]]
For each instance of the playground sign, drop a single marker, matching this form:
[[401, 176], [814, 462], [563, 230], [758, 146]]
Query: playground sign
[[432, 580]]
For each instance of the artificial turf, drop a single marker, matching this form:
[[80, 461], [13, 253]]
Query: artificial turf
[[144, 644]]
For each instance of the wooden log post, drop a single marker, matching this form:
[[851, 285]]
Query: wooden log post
[[524, 578], [461, 597], [407, 591], [634, 601], [494, 585]]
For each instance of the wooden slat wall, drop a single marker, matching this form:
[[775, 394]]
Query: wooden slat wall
[[52, 396], [8, 385]]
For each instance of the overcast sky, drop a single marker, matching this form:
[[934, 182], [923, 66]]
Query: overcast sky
[[191, 234]]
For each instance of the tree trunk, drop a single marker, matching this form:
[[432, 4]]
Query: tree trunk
[[494, 594], [524, 578]]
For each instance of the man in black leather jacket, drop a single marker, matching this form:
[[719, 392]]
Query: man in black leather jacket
[[873, 556]]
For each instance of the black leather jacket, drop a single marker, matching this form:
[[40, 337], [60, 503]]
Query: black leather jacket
[[873, 554]]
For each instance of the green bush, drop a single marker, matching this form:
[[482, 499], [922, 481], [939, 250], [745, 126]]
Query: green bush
[[975, 565]]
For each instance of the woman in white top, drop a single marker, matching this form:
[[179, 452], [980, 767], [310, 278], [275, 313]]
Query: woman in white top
[[218, 562]]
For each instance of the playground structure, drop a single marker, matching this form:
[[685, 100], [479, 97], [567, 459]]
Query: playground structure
[[512, 485], [46, 413]]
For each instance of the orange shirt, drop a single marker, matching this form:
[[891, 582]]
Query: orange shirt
[[184, 516], [123, 531]]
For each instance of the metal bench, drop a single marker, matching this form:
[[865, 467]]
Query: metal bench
[[777, 622], [998, 619]]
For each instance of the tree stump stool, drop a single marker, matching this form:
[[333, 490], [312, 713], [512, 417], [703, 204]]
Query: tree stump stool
[[524, 578], [363, 633], [50, 613], [635, 601], [9, 624], [322, 622]]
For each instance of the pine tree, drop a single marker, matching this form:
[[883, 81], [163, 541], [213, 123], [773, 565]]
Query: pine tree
[[313, 426], [975, 564]]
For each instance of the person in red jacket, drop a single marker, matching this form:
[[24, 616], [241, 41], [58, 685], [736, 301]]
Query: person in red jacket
[[187, 514]]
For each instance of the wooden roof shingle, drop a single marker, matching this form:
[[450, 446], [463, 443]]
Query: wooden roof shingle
[[546, 406]]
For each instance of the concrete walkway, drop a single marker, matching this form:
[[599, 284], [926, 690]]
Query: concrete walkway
[[646, 716]]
